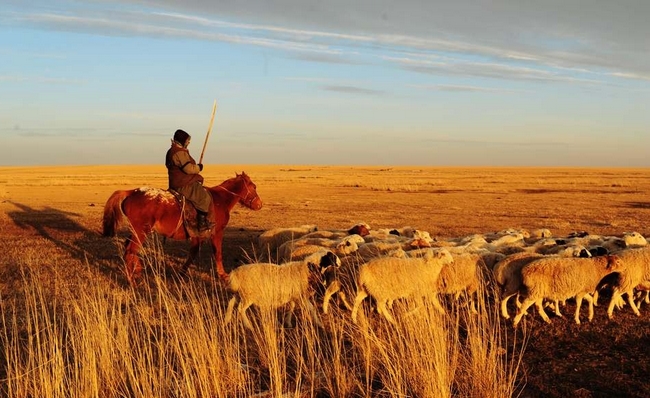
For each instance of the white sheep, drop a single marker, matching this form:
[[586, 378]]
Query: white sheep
[[387, 279], [636, 272], [370, 250], [507, 275], [462, 276], [271, 286], [269, 241], [634, 239], [540, 233], [300, 248], [361, 229], [561, 278]]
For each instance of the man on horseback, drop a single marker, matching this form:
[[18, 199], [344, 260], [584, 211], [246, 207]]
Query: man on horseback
[[185, 179]]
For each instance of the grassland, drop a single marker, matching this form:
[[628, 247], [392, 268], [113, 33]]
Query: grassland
[[72, 327]]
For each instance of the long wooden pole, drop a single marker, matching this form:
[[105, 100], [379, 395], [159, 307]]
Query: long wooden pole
[[205, 143]]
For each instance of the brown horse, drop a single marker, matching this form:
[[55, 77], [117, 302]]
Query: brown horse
[[153, 209]]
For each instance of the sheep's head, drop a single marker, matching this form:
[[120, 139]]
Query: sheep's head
[[419, 243], [322, 259], [614, 263], [598, 251], [634, 239], [362, 229], [349, 244], [439, 255]]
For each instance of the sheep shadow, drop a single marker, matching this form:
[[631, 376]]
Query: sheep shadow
[[638, 205]]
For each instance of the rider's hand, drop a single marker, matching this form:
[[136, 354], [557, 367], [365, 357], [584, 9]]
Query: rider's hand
[[200, 166]]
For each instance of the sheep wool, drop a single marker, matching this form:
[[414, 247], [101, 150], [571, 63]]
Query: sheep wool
[[635, 273], [387, 279], [270, 286], [561, 278]]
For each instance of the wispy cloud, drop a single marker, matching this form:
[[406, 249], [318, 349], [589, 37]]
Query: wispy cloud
[[352, 90], [41, 79], [325, 58], [461, 88], [532, 47], [118, 27], [485, 69], [634, 76]]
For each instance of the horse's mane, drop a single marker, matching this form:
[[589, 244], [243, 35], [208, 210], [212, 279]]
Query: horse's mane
[[231, 182]]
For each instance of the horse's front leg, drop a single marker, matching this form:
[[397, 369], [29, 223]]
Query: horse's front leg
[[217, 239], [195, 245]]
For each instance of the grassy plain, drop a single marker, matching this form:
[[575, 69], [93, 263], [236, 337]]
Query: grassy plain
[[56, 271]]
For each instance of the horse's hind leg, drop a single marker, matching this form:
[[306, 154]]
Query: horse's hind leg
[[133, 264], [191, 257]]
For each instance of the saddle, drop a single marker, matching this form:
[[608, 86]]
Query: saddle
[[189, 217]]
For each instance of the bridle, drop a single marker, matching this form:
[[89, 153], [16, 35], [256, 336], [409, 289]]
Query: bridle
[[247, 203]]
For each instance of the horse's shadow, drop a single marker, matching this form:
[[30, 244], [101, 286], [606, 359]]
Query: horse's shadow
[[88, 246], [61, 228]]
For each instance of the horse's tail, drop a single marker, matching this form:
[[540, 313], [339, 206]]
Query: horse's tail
[[113, 213]]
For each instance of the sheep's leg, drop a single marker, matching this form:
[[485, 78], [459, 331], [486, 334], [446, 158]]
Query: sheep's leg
[[518, 301], [243, 306], [419, 303], [344, 299], [595, 298], [504, 307], [331, 289], [590, 300], [436, 303], [231, 307], [472, 303], [578, 305], [286, 319], [630, 300], [557, 309], [361, 295], [540, 310], [616, 295], [314, 314], [647, 297], [381, 308], [522, 310]]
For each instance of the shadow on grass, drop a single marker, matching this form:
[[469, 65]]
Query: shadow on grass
[[63, 229], [638, 205]]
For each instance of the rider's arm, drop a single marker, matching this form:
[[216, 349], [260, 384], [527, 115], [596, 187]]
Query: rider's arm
[[185, 162]]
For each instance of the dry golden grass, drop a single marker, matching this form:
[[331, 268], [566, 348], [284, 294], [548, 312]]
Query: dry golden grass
[[72, 327]]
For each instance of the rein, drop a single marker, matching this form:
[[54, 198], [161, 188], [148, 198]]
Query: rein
[[180, 219], [249, 204]]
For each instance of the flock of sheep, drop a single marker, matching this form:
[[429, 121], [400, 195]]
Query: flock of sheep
[[406, 263]]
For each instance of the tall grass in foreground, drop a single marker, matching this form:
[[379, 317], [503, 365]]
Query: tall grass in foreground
[[167, 339]]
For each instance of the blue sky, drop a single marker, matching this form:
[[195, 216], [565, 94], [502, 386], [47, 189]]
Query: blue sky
[[558, 83]]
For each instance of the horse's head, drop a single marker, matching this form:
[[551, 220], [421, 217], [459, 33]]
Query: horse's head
[[248, 193]]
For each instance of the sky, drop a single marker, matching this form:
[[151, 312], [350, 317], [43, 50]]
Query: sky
[[337, 82]]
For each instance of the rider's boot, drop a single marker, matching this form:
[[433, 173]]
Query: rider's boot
[[202, 222]]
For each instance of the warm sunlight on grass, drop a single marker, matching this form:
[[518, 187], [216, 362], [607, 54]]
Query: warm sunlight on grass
[[83, 337]]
